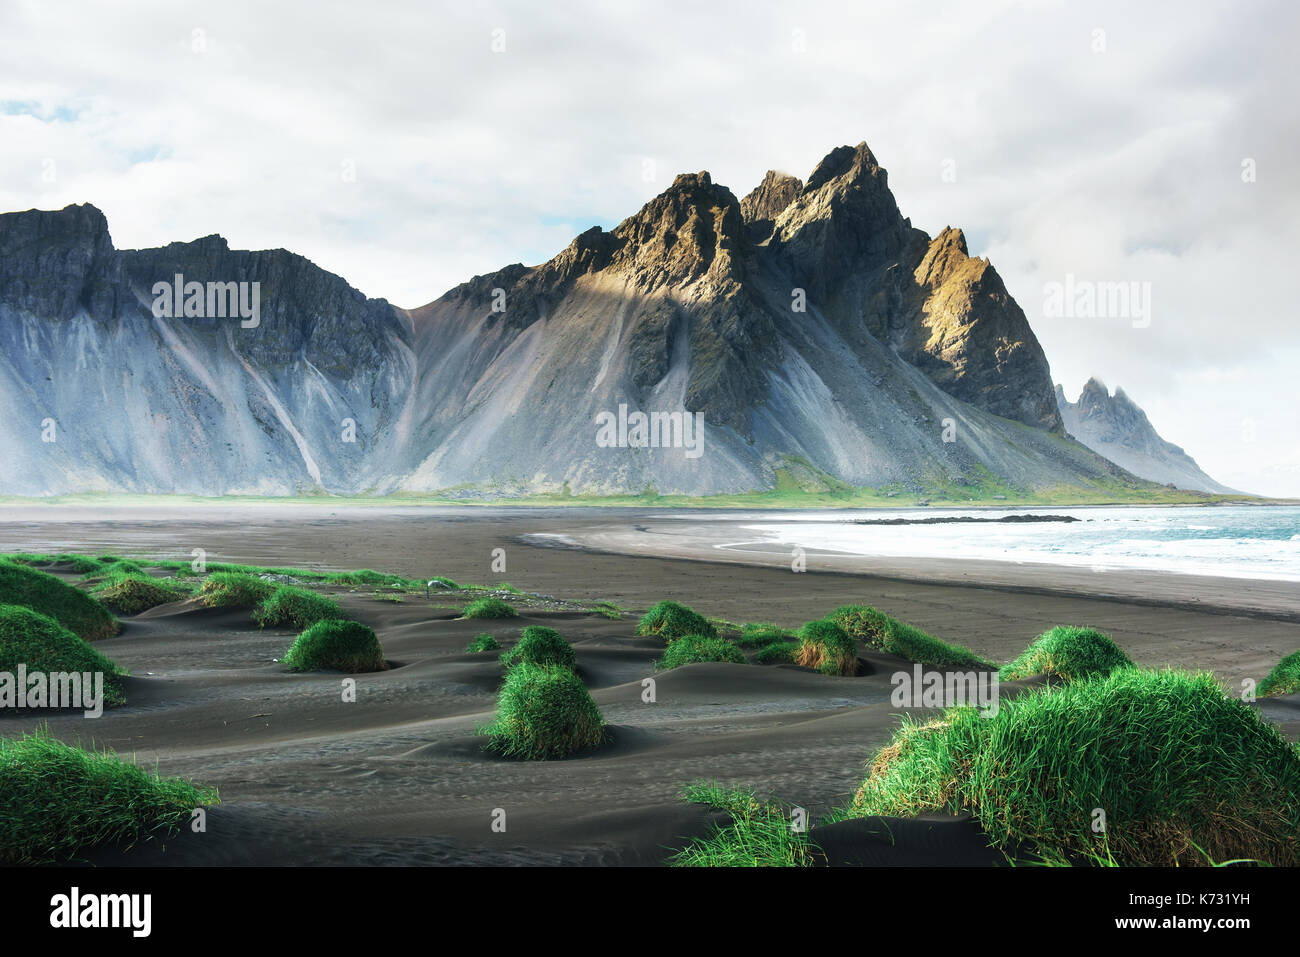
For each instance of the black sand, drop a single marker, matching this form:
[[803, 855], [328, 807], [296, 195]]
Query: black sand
[[399, 777]]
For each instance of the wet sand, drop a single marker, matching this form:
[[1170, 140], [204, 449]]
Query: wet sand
[[400, 776]]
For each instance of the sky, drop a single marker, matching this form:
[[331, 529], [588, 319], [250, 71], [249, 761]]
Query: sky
[[408, 146]]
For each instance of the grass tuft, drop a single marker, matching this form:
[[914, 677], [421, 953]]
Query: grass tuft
[[336, 644], [670, 621], [826, 646], [129, 593], [1183, 774], [489, 608], [898, 638], [777, 653], [116, 568], [543, 713], [1069, 653], [57, 801], [760, 833], [368, 578], [295, 607], [694, 649], [760, 634], [1283, 679], [70, 607], [234, 590], [38, 641], [77, 564], [540, 645], [483, 642]]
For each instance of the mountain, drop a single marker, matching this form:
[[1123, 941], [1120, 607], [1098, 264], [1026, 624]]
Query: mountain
[[1114, 426], [809, 331]]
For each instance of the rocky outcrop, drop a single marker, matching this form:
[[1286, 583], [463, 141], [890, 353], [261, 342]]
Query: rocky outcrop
[[305, 313], [973, 339], [1114, 426], [768, 200], [56, 263]]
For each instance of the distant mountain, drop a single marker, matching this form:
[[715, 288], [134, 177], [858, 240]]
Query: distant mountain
[[1114, 426], [816, 334]]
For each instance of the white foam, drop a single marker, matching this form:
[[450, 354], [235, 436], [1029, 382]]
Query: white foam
[[1252, 541]]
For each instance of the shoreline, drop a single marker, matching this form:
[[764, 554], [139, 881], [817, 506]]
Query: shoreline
[[1234, 626], [1272, 598], [757, 501], [705, 537]]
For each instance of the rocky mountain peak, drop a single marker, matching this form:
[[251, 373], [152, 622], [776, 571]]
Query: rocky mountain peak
[[945, 254], [843, 221], [1116, 427], [589, 252], [1094, 396], [768, 200], [1120, 417], [851, 163], [691, 230]]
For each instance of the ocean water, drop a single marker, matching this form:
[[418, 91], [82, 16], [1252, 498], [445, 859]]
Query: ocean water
[[1231, 541]]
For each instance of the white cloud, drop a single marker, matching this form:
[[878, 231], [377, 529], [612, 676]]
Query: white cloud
[[1115, 165]]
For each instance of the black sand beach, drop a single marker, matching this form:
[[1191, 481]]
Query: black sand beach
[[400, 777]]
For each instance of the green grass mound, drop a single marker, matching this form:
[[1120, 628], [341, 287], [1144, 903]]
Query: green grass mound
[[57, 801], [295, 607], [483, 642], [77, 564], [777, 653], [540, 645], [694, 649], [826, 646], [761, 634], [671, 621], [117, 568], [544, 712], [80, 564], [759, 835], [1068, 653], [489, 608], [38, 641], [1283, 679], [70, 607], [898, 638], [1183, 774], [132, 593], [234, 590], [370, 578], [338, 645]]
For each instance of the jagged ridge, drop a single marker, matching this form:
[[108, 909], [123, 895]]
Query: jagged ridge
[[692, 304], [1114, 426]]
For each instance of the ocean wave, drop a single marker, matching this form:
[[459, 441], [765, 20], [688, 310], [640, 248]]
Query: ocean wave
[[1254, 542]]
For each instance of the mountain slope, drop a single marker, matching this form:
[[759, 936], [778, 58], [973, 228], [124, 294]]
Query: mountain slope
[[1114, 426], [147, 404], [809, 327]]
